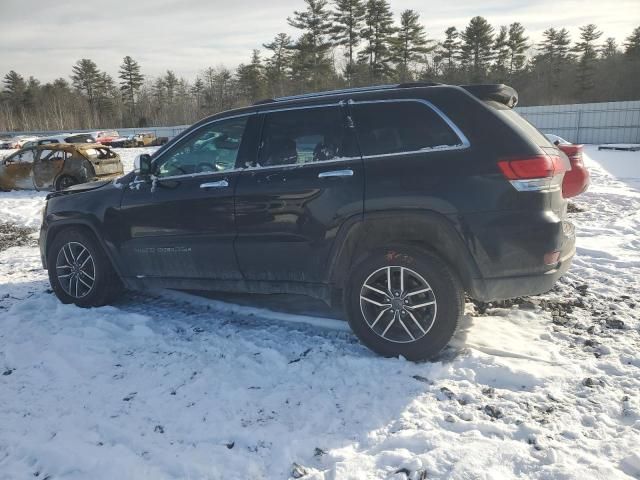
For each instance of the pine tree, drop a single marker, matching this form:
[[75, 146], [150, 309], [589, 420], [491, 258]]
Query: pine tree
[[378, 33], [279, 63], [555, 54], [476, 51], [632, 44], [348, 18], [105, 95], [555, 45], [449, 51], [170, 82], [15, 89], [517, 44], [610, 48], [197, 91], [410, 44], [86, 79], [251, 78], [130, 81], [14, 84], [501, 53], [312, 61], [588, 54]]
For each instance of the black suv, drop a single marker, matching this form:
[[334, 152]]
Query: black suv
[[392, 201]]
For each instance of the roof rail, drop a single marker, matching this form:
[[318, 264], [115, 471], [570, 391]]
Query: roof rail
[[326, 93], [418, 84], [263, 101]]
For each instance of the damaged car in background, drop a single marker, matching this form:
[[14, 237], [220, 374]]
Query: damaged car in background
[[58, 166]]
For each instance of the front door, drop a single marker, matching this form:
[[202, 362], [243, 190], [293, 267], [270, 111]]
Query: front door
[[16, 171], [48, 164], [181, 225], [307, 183]]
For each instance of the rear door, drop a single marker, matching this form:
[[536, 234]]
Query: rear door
[[412, 156], [291, 205]]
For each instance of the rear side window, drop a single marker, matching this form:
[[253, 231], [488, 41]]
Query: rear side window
[[304, 136], [100, 153], [402, 126]]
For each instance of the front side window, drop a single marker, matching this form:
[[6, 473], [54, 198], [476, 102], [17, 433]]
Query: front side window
[[304, 136], [401, 126], [24, 156], [213, 148]]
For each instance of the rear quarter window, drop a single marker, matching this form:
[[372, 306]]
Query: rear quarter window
[[401, 126]]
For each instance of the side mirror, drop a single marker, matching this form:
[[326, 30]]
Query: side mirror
[[142, 164]]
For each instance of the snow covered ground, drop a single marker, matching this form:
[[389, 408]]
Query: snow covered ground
[[167, 385]]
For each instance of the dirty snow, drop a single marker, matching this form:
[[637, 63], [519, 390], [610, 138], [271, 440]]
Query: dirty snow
[[166, 385]]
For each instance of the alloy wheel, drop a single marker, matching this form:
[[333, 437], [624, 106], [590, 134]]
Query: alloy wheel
[[75, 269], [398, 304]]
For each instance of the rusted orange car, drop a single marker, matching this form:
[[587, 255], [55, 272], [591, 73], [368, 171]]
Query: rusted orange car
[[58, 166]]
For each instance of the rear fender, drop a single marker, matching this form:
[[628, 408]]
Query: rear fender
[[424, 229]]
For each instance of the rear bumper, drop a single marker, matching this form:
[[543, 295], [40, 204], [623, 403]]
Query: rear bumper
[[502, 288]]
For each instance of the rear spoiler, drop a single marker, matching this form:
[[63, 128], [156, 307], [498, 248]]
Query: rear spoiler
[[498, 92]]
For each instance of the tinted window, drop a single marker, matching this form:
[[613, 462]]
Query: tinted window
[[304, 136], [213, 148], [395, 127], [79, 139]]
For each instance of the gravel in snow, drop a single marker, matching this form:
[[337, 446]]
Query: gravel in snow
[[166, 385]]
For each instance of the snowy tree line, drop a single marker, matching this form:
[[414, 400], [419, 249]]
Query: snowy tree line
[[340, 44]]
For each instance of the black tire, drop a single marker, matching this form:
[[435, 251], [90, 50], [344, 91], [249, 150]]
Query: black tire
[[440, 321], [65, 181], [106, 284]]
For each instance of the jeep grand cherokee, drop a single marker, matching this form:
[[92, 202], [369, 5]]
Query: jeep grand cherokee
[[393, 201]]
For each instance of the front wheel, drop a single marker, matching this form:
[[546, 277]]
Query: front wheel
[[79, 270], [404, 301]]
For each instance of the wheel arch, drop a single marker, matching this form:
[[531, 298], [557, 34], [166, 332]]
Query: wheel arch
[[426, 230], [55, 228]]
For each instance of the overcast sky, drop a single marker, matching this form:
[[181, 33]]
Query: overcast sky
[[44, 38]]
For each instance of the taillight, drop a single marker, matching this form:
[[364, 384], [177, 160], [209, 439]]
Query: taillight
[[533, 173], [574, 152]]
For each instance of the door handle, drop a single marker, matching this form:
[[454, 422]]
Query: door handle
[[218, 184], [336, 173]]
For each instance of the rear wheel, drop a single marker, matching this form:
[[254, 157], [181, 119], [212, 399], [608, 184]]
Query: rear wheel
[[65, 181], [79, 270], [404, 301]]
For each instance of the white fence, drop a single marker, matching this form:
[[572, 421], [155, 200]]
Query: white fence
[[607, 122]]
